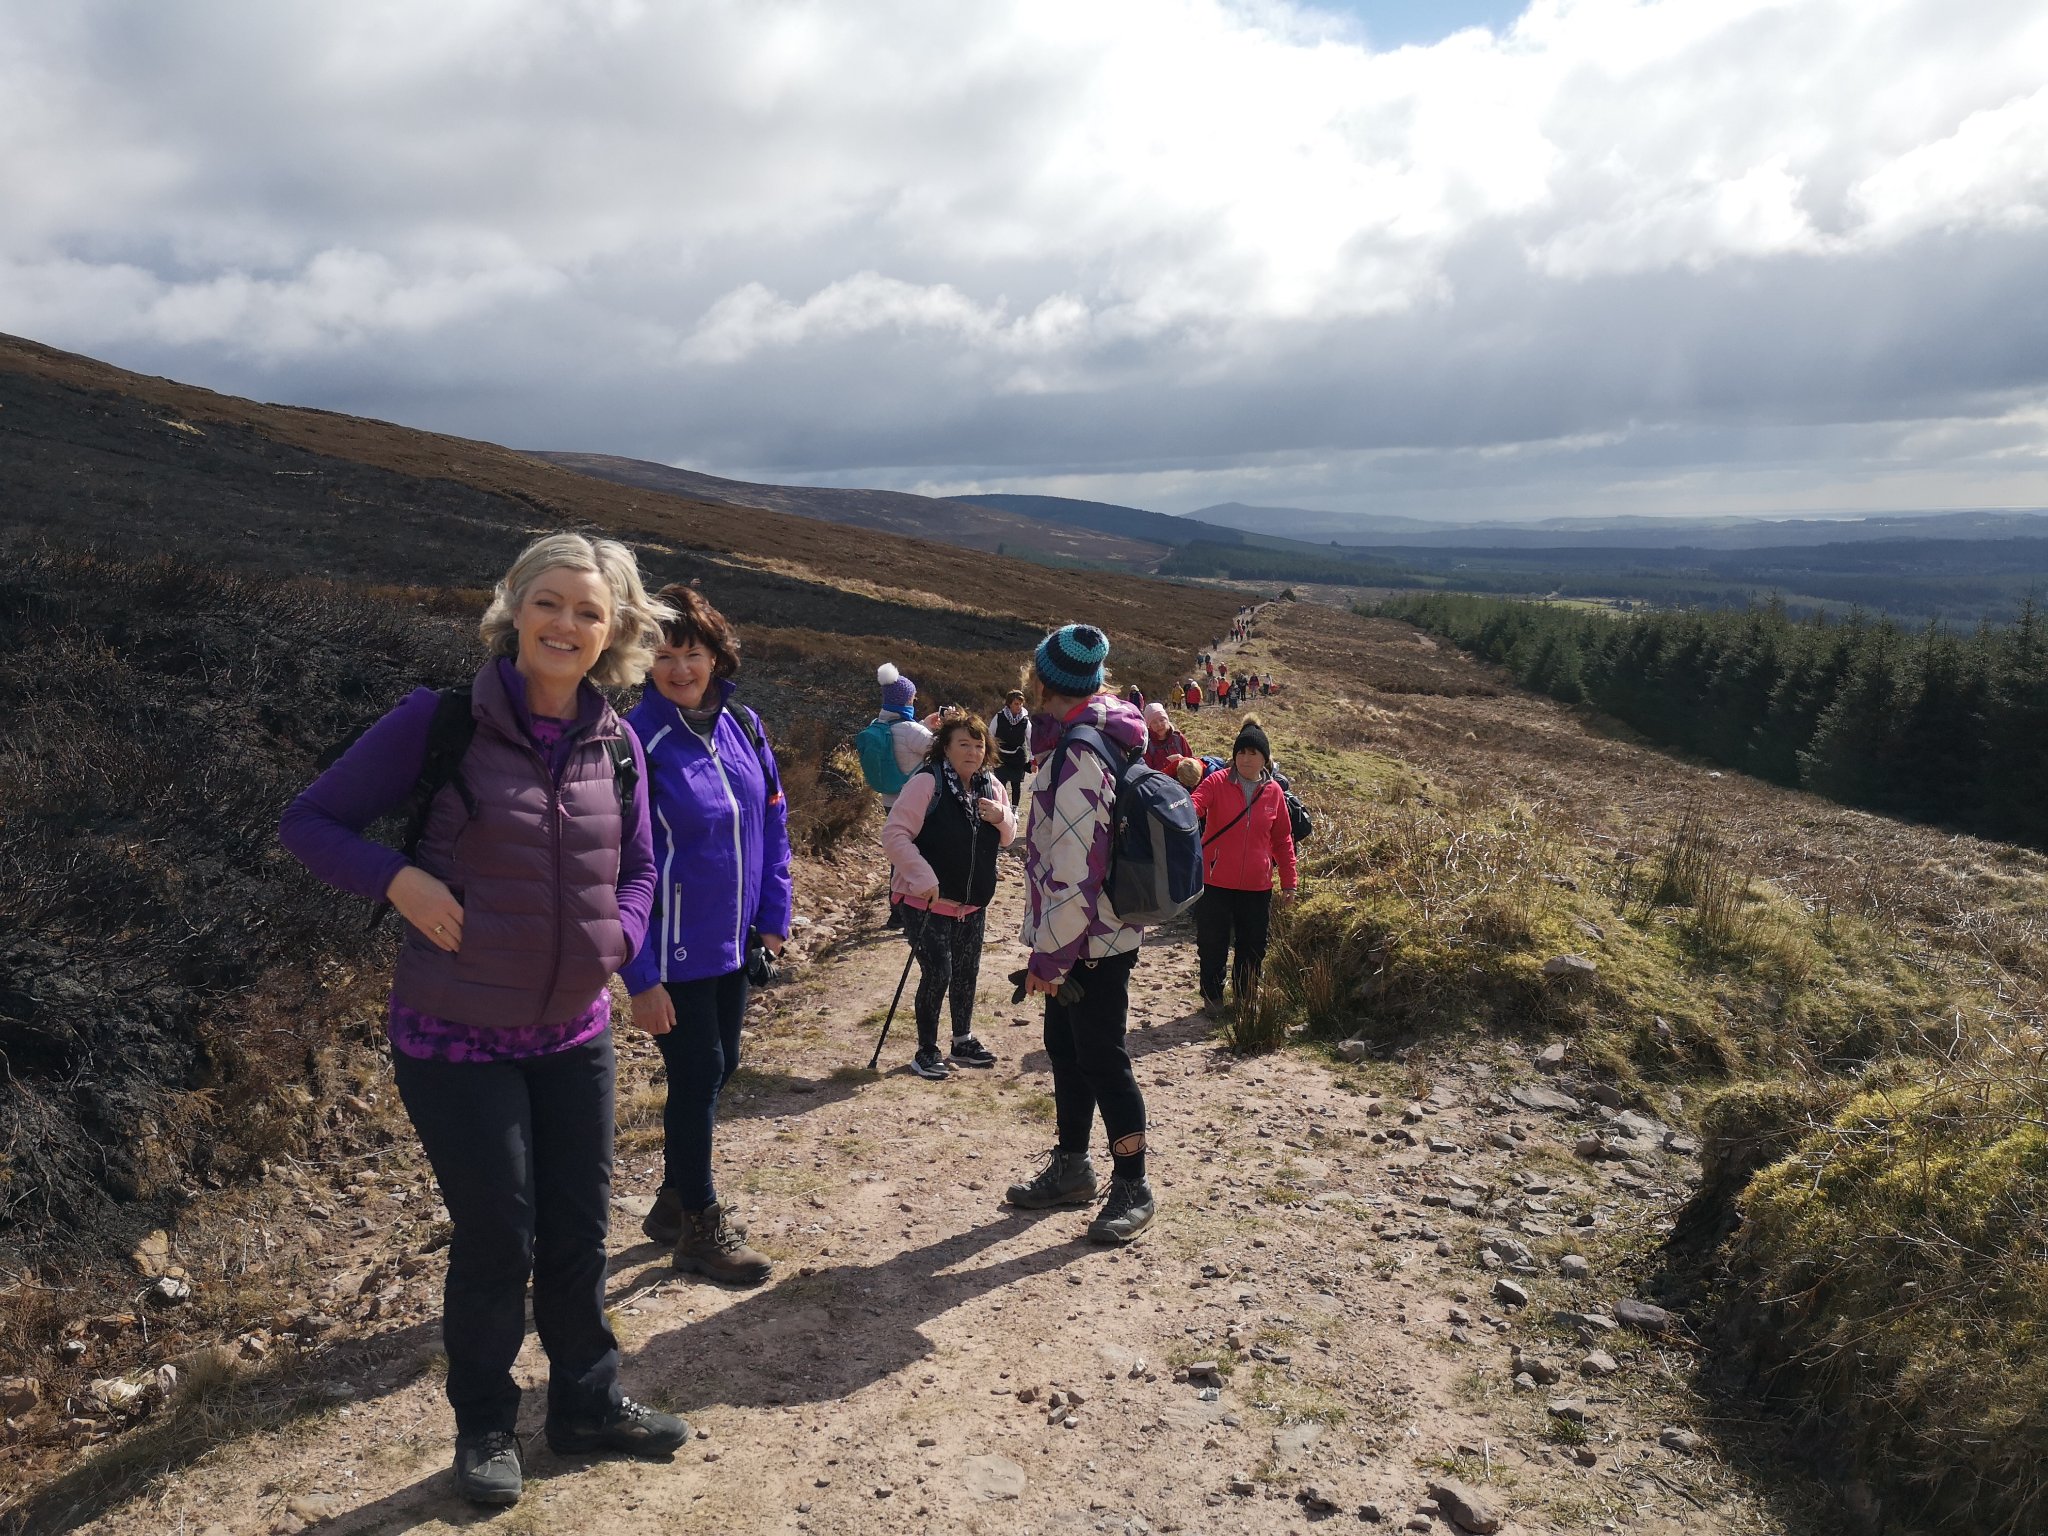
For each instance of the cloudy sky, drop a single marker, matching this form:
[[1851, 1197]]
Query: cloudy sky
[[1437, 257]]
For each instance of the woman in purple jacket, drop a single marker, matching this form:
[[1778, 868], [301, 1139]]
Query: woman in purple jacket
[[721, 845], [529, 887]]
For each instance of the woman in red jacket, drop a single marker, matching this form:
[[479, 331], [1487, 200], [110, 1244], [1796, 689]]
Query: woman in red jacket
[[1245, 832]]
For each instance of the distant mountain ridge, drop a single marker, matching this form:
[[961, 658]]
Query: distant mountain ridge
[[899, 512], [1369, 531]]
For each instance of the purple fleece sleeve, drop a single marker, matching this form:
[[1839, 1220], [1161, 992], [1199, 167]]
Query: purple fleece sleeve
[[636, 857], [323, 828]]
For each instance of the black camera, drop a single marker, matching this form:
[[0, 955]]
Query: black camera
[[760, 962]]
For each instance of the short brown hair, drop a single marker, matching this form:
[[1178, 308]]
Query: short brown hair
[[951, 725], [695, 619]]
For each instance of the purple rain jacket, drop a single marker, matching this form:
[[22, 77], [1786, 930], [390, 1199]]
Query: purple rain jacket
[[721, 843]]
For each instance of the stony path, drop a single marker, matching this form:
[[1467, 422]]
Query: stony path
[[1323, 1321]]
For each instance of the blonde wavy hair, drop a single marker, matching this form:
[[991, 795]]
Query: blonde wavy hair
[[636, 618]]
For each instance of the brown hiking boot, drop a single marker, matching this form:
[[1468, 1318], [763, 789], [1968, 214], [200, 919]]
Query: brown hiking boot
[[713, 1247]]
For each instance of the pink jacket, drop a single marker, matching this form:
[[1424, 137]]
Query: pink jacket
[[909, 873]]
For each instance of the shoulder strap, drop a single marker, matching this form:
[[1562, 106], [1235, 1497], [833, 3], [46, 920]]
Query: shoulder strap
[[1240, 816], [750, 727], [449, 734], [625, 774]]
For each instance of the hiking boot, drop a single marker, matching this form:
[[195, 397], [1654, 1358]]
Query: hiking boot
[[664, 1224], [487, 1468], [715, 1246], [1065, 1178], [929, 1063], [970, 1052], [1127, 1212], [631, 1429]]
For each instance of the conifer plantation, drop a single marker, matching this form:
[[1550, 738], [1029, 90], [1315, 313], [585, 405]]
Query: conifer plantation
[[1935, 725]]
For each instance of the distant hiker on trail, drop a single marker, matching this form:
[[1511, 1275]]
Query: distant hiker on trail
[[1082, 954], [893, 744], [1222, 691], [1192, 693], [942, 837], [1245, 833], [526, 787], [1162, 741], [1012, 731], [1134, 698], [721, 911]]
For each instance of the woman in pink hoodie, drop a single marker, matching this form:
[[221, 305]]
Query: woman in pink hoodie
[[949, 819]]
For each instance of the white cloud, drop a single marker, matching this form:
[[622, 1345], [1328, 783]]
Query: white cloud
[[1167, 238]]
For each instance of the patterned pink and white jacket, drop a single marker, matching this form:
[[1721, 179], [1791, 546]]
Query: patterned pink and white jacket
[[1067, 918]]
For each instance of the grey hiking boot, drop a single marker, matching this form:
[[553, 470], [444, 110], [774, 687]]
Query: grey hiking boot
[[712, 1246], [632, 1429], [1065, 1178], [1127, 1212], [487, 1467]]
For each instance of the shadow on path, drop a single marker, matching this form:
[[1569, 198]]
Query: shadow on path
[[1190, 1029], [824, 1335]]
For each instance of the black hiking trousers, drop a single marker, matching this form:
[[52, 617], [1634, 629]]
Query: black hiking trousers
[[1224, 917], [522, 1151]]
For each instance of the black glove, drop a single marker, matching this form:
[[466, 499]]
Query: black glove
[[760, 962], [1069, 993]]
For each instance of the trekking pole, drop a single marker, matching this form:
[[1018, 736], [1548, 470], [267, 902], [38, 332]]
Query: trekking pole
[[900, 981]]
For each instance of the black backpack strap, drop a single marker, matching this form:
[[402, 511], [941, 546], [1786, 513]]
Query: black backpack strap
[[448, 737], [750, 727], [625, 775], [1240, 816]]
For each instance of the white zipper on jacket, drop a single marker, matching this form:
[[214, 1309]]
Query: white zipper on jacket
[[668, 915], [739, 861]]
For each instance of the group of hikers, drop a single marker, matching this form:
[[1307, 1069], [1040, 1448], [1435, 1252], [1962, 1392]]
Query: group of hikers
[[553, 843]]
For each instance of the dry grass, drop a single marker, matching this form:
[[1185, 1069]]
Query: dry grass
[[1897, 1254]]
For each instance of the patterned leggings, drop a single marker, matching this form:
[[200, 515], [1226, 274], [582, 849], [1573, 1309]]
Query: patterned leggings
[[949, 966]]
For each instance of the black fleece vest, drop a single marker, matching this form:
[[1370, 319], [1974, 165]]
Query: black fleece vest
[[951, 846]]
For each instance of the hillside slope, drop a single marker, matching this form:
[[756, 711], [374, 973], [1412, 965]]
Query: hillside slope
[[95, 453]]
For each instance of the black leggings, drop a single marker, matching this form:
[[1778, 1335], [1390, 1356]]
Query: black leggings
[[700, 1054], [1221, 916], [949, 968], [1091, 1068]]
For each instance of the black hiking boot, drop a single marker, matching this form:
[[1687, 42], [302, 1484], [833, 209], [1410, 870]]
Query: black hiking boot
[[970, 1052], [1127, 1212], [711, 1245], [632, 1429], [1065, 1178], [487, 1467], [929, 1063]]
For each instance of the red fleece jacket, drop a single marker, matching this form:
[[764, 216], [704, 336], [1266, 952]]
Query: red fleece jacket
[[1242, 857]]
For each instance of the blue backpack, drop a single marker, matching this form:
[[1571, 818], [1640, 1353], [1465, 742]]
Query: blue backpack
[[878, 758], [1155, 850]]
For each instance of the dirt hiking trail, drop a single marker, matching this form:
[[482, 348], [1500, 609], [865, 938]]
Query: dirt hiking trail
[[1388, 1277]]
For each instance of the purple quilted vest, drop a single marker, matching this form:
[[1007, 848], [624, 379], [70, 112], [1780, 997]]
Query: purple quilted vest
[[536, 870]]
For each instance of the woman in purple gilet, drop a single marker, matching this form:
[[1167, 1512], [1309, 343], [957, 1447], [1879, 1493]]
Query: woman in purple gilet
[[529, 888]]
